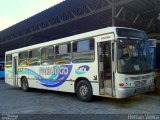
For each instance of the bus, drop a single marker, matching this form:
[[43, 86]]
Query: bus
[[1, 70], [110, 62], [155, 60]]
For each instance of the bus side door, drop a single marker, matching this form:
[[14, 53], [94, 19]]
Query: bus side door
[[106, 65], [15, 69]]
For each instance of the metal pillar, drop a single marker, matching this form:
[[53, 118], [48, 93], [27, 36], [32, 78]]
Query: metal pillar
[[113, 12]]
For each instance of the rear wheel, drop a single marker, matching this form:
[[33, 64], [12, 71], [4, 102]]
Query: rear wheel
[[24, 84], [84, 91]]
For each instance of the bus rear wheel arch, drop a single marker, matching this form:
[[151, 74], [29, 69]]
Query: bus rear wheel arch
[[24, 84], [83, 90]]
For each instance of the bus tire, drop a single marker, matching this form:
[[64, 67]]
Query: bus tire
[[84, 91], [24, 84], [157, 83]]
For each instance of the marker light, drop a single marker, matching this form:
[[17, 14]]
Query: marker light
[[121, 84]]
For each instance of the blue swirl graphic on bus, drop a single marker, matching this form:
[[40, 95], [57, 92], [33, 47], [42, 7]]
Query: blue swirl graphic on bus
[[82, 70], [56, 79]]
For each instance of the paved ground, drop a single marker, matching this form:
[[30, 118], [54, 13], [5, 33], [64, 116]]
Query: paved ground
[[15, 101]]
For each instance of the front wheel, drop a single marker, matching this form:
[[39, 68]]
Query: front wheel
[[24, 84], [84, 91], [157, 83]]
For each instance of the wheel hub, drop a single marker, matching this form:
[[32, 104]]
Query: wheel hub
[[24, 84], [83, 90]]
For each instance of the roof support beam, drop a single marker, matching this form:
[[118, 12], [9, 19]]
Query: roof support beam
[[136, 18], [109, 2], [113, 12], [158, 18], [119, 12], [150, 23]]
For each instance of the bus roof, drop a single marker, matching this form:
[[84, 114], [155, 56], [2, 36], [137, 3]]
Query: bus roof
[[71, 38], [156, 40]]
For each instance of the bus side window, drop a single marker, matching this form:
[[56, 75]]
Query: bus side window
[[83, 51], [34, 57], [63, 54], [47, 56], [8, 61], [23, 59]]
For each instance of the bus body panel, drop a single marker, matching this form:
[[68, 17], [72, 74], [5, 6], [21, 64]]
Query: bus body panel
[[45, 77], [2, 74], [9, 76], [134, 84]]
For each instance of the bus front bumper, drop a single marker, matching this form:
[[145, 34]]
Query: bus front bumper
[[127, 92]]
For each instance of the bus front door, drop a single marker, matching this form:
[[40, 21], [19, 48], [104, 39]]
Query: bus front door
[[15, 76], [106, 58]]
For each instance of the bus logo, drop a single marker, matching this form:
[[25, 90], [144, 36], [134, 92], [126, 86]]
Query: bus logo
[[82, 70], [57, 75]]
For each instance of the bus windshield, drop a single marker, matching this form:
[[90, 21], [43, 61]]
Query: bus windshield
[[154, 45], [133, 56], [124, 32]]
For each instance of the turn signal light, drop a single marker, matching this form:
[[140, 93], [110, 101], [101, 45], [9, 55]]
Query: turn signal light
[[121, 84]]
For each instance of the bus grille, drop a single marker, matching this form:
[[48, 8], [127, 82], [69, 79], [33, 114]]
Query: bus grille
[[140, 83], [135, 78], [139, 77], [137, 83], [145, 77], [144, 82]]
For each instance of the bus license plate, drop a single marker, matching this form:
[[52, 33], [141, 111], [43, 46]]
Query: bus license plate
[[141, 90]]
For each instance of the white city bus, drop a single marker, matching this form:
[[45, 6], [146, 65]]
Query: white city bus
[[155, 58], [110, 62]]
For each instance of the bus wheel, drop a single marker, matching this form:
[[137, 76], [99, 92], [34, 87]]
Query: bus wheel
[[84, 91], [24, 84]]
